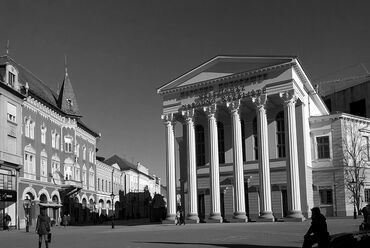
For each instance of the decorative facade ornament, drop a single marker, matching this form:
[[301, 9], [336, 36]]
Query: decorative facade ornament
[[168, 119], [289, 97], [260, 100], [188, 115], [234, 106], [210, 110]]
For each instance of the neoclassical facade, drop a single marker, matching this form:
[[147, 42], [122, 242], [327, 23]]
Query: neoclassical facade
[[245, 146]]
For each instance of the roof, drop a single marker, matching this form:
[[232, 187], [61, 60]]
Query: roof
[[329, 87], [124, 164], [45, 94], [225, 65]]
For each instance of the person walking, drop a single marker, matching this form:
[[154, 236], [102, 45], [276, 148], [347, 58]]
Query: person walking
[[43, 227], [7, 219], [365, 225], [318, 231]]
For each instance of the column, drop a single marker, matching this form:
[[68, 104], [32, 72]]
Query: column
[[263, 159], [215, 214], [293, 187], [239, 200], [191, 163], [168, 120]]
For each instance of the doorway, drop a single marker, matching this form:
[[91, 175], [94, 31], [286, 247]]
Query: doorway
[[201, 207]]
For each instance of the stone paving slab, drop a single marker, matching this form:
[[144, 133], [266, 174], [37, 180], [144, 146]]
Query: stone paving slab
[[229, 235]]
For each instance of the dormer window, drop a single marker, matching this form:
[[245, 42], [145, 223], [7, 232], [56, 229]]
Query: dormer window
[[11, 79]]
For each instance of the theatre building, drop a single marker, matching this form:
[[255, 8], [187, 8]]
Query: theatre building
[[239, 130], [57, 149]]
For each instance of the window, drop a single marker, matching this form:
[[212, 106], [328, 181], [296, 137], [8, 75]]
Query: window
[[32, 129], [55, 168], [67, 171], [68, 144], [12, 144], [11, 79], [255, 138], [84, 176], [323, 149], [200, 146], [57, 141], [243, 140], [358, 108], [106, 187], [29, 166], [366, 149], [77, 173], [98, 183], [27, 128], [12, 112], [43, 169], [43, 134], [280, 134], [367, 195], [326, 196], [77, 151], [84, 153], [221, 142], [53, 134]]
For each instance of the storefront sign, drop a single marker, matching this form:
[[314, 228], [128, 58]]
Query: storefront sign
[[8, 195]]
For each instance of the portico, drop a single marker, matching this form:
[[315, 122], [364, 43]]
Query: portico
[[230, 108]]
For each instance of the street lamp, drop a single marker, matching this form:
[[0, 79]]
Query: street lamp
[[112, 197], [27, 207]]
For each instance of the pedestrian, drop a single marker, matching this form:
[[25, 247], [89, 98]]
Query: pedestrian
[[365, 225], [43, 227], [7, 219], [318, 231], [68, 220], [64, 220], [178, 217], [182, 217]]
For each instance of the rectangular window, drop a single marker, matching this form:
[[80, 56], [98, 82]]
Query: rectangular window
[[43, 170], [323, 147], [43, 135], [367, 195], [68, 144], [12, 144], [358, 108], [11, 79], [366, 147], [12, 112], [326, 196], [32, 130]]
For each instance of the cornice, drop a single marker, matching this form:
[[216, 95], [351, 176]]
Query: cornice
[[236, 76]]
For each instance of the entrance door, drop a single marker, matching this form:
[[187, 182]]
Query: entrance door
[[201, 207], [284, 196]]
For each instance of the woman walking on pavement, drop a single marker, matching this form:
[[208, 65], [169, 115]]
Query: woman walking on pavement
[[43, 227]]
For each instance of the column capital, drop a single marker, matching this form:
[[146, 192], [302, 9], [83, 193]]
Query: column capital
[[188, 115], [289, 97], [233, 106], [168, 118], [260, 100], [210, 110]]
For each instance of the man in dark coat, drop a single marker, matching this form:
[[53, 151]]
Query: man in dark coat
[[318, 231], [43, 227]]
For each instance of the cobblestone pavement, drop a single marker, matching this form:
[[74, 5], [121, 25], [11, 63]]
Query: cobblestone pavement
[[228, 235]]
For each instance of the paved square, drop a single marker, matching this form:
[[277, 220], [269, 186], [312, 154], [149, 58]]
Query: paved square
[[229, 235]]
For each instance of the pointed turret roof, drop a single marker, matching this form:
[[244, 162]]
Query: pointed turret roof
[[67, 100]]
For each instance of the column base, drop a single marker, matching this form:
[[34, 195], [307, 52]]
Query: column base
[[192, 218], [266, 216], [239, 217], [215, 218], [170, 219], [294, 216]]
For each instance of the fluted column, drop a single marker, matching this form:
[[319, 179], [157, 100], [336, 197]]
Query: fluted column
[[168, 120], [192, 170], [239, 200], [215, 214], [263, 159], [294, 195]]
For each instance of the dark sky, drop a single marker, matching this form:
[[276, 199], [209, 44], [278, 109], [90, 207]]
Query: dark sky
[[119, 52]]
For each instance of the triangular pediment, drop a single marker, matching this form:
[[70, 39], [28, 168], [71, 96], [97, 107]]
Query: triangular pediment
[[222, 66]]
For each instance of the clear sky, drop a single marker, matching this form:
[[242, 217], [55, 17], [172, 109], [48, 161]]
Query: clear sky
[[120, 52]]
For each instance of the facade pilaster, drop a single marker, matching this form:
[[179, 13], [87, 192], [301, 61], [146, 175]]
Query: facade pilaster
[[293, 184], [215, 214], [191, 164], [168, 120], [239, 200], [263, 159]]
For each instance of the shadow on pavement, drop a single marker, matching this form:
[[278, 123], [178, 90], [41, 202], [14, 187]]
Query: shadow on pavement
[[219, 245]]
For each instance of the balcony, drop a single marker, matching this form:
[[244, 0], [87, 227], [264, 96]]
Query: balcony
[[77, 184]]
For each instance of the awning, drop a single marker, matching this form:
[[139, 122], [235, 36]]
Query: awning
[[50, 205]]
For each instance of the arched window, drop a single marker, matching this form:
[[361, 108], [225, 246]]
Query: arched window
[[243, 140], [221, 142], [32, 130], [255, 138], [43, 198], [280, 134], [200, 146]]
